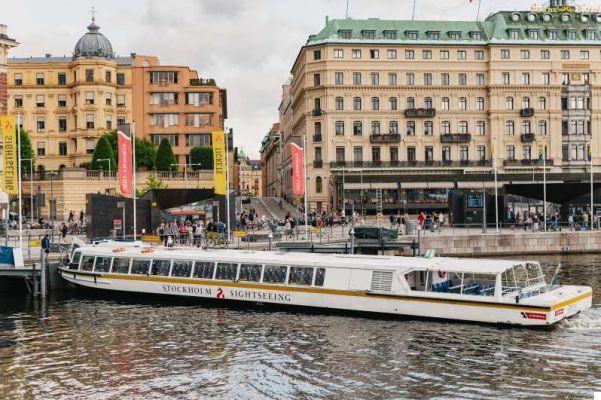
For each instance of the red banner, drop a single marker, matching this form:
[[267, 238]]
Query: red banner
[[125, 160], [298, 175]]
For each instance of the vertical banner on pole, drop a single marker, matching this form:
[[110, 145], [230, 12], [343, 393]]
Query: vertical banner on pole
[[9, 156], [298, 175], [125, 161], [219, 167]]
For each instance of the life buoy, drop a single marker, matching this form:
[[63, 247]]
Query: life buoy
[[145, 251], [442, 274], [118, 250]]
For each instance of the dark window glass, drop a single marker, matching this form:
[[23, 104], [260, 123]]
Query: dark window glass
[[181, 269], [121, 266], [320, 276], [103, 264], [226, 272], [204, 270], [87, 263], [120, 78], [301, 276], [140, 267], [275, 274], [250, 273], [76, 257], [161, 267]]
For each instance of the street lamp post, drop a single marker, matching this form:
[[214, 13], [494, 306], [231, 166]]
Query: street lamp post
[[110, 177], [30, 184], [52, 204]]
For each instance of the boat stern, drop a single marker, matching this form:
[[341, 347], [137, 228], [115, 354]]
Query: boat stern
[[569, 301]]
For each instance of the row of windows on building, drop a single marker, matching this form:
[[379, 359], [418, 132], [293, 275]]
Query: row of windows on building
[[61, 78], [427, 54], [191, 139], [89, 99], [190, 98], [171, 119], [62, 148], [90, 121], [505, 78]]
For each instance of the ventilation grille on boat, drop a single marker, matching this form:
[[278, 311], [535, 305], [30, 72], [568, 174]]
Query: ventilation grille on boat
[[381, 281]]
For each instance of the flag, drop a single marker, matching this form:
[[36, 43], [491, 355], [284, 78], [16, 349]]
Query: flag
[[590, 154], [298, 173], [125, 167], [219, 167], [9, 156], [541, 151]]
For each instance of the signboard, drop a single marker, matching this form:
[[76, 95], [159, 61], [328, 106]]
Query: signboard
[[314, 230], [9, 156], [117, 224], [35, 243], [239, 234], [151, 238], [219, 167], [125, 171], [298, 173], [474, 201]]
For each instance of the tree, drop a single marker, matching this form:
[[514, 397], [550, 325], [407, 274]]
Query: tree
[[102, 152], [146, 151], [26, 151], [203, 156], [152, 182], [165, 158]]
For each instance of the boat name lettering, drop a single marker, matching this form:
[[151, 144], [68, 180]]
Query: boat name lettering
[[252, 295], [534, 315], [186, 289]]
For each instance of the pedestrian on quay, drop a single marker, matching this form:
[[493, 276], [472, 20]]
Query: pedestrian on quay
[[81, 215], [64, 230], [46, 245], [71, 217]]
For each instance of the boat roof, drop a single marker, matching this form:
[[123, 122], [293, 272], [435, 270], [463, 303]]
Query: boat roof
[[469, 265]]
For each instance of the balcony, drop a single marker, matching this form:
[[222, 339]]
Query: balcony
[[527, 163], [420, 112], [202, 82], [528, 137], [317, 138], [456, 138], [386, 138], [317, 112], [317, 163], [527, 112], [408, 164]]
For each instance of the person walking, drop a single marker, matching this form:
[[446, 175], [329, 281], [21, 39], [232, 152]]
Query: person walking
[[46, 245]]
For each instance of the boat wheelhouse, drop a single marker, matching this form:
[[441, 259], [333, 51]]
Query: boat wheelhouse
[[479, 290]]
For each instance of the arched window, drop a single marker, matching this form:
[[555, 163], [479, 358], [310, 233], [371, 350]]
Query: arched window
[[318, 184]]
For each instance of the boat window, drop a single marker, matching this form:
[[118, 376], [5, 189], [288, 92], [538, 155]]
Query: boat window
[[140, 267], [275, 274], [226, 271], [300, 276], [181, 268], [320, 276], [203, 270], [525, 278], [161, 267], [87, 263], [76, 257], [250, 272], [478, 284], [121, 266], [103, 264]]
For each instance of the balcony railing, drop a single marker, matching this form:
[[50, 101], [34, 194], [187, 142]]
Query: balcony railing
[[317, 138], [408, 164], [528, 137], [317, 163], [527, 112], [420, 112], [527, 163], [385, 138], [456, 138], [202, 82], [317, 112]]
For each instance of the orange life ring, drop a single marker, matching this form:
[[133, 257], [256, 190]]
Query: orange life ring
[[145, 251], [118, 250], [442, 274]]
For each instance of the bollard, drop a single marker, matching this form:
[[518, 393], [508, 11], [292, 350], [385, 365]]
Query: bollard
[[43, 282], [270, 236]]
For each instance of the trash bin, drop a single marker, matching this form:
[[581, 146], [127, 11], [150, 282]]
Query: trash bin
[[410, 228]]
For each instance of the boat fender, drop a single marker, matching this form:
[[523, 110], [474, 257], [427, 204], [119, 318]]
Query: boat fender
[[442, 274], [517, 299]]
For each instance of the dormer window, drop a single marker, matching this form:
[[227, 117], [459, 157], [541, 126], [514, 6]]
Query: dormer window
[[571, 34], [534, 34], [552, 34], [345, 33], [591, 34], [369, 34], [412, 35], [433, 35], [476, 35], [514, 34], [390, 35], [455, 35]]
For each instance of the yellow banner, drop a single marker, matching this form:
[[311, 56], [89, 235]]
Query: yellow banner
[[9, 156], [219, 167]]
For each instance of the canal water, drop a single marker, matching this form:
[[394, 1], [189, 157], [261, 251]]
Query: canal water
[[89, 346]]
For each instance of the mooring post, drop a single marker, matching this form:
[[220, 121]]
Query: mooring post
[[43, 282]]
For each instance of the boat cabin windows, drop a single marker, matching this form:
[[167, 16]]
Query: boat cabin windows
[[203, 270], [140, 267], [181, 269], [103, 264], [75, 260], [275, 274], [320, 276], [526, 279], [87, 263], [250, 273], [301, 276], [226, 271], [120, 266], [161, 267], [452, 282]]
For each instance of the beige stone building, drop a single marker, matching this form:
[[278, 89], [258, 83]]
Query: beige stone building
[[66, 103], [271, 176], [399, 112], [6, 43], [250, 176]]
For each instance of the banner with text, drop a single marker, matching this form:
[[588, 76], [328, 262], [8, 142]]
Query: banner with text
[[9, 156], [298, 173], [219, 167], [125, 174]]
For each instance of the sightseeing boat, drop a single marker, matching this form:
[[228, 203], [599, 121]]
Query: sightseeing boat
[[478, 290]]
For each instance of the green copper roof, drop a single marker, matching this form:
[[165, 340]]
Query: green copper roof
[[544, 25]]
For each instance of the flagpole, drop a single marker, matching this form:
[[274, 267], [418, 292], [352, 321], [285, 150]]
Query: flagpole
[[478, 15], [544, 153], [413, 12], [590, 155], [20, 192], [306, 178], [227, 180], [494, 166], [133, 139]]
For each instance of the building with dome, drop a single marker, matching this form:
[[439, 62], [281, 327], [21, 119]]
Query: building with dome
[[6, 43]]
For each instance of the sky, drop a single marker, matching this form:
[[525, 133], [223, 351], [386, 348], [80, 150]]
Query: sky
[[247, 46]]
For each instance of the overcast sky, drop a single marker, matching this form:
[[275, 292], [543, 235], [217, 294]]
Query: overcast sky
[[248, 46]]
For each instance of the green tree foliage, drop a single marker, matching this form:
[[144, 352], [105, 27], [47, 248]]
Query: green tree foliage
[[165, 157], [26, 151], [102, 152], [152, 182], [146, 151], [203, 156]]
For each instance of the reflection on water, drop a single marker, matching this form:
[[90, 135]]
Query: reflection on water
[[79, 345]]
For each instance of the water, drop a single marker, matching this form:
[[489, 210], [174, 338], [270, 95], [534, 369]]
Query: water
[[82, 346]]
